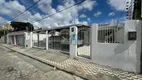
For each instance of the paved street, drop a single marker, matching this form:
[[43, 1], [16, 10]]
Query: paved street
[[15, 66], [62, 61], [76, 66]]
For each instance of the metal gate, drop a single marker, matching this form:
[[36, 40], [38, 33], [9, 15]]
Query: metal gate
[[20, 40], [84, 43], [54, 40], [39, 40], [35, 39], [42, 40], [59, 40], [65, 40]]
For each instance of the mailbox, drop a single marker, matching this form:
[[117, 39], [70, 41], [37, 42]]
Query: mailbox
[[132, 35]]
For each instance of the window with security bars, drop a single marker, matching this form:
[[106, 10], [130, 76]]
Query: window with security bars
[[111, 34]]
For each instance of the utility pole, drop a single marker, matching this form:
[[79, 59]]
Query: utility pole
[[137, 10]]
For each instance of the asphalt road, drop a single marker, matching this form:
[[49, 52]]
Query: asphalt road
[[15, 66]]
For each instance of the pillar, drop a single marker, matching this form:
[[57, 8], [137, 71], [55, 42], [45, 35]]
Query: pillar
[[7, 41], [25, 35], [94, 40], [31, 40], [73, 41], [46, 40], [38, 39], [14, 39]]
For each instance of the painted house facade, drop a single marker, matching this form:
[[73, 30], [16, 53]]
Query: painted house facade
[[114, 45]]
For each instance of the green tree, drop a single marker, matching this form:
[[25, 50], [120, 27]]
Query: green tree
[[4, 32], [22, 26]]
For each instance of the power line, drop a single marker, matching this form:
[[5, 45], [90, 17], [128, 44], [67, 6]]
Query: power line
[[50, 14], [61, 10], [25, 10], [122, 10]]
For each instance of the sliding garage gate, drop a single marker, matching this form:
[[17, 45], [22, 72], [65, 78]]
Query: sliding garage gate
[[20, 40], [59, 40]]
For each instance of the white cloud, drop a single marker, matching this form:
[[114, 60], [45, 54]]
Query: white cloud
[[118, 4], [14, 8], [88, 19], [111, 14], [69, 16], [85, 22], [2, 1], [83, 16], [2, 20], [11, 8], [88, 4], [98, 13]]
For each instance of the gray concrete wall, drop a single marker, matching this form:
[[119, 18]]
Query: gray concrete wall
[[124, 56], [2, 39], [119, 36]]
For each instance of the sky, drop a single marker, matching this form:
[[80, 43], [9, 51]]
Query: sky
[[88, 12]]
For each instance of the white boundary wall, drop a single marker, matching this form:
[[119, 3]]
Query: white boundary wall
[[124, 56], [2, 39]]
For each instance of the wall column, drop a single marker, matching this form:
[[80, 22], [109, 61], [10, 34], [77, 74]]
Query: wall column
[[94, 38], [14, 39], [31, 39], [38, 39], [73, 41], [46, 40], [7, 41], [25, 35]]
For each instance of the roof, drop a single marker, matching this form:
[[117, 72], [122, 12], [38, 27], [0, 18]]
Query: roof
[[62, 27]]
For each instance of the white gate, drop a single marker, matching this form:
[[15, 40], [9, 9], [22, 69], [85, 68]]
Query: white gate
[[84, 43], [39, 40]]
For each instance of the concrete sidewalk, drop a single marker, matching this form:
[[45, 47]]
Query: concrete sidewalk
[[80, 68]]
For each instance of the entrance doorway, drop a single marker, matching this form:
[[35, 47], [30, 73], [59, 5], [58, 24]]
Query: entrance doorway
[[84, 43]]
